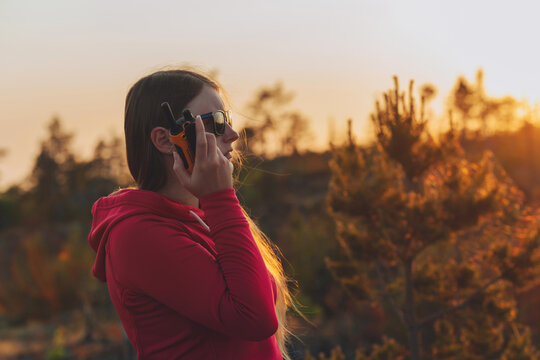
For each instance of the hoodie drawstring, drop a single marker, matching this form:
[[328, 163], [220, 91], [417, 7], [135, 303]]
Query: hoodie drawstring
[[200, 220]]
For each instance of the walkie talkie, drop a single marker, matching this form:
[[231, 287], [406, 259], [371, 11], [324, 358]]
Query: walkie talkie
[[182, 134]]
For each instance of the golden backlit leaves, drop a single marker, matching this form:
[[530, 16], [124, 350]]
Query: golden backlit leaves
[[439, 236]]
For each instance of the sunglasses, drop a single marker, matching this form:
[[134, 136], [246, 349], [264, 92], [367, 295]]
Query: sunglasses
[[216, 121]]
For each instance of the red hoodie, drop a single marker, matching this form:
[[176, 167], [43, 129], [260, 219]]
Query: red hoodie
[[183, 290]]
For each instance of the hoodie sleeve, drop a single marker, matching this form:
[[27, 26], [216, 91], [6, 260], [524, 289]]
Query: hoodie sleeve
[[231, 294]]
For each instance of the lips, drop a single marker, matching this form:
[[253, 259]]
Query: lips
[[228, 154]]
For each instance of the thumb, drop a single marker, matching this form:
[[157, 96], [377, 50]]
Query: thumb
[[179, 169]]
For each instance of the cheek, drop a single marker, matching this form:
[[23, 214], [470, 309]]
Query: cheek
[[220, 144]]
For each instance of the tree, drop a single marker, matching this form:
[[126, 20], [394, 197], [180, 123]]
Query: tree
[[439, 241], [388, 350], [275, 129], [44, 253], [49, 179], [63, 187], [3, 153], [7, 203], [478, 110]]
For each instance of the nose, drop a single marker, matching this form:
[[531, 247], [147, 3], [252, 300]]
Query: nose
[[230, 134]]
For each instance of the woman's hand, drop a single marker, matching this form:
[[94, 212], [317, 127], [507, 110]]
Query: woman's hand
[[212, 171]]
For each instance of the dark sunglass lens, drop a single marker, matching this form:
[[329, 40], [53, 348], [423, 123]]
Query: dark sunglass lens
[[208, 124]]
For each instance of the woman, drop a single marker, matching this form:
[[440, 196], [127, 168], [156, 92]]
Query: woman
[[190, 275]]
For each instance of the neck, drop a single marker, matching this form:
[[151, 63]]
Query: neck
[[174, 189]]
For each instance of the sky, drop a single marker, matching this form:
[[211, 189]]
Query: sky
[[76, 60]]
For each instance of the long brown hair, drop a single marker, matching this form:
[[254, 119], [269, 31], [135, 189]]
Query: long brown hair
[[142, 114]]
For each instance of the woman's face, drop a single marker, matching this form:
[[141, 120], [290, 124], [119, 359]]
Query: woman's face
[[208, 101]]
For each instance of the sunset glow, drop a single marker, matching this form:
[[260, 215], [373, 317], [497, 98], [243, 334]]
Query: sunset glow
[[76, 60]]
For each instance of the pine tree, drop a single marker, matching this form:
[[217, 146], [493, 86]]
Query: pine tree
[[44, 253], [275, 128], [441, 241], [478, 110]]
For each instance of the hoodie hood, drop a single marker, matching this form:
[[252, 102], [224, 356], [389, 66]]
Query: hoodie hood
[[109, 211]]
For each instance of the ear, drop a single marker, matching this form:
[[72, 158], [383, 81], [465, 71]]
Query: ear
[[160, 139]]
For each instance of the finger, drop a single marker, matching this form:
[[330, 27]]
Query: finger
[[201, 152], [179, 169], [212, 146], [220, 154]]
